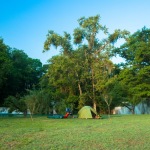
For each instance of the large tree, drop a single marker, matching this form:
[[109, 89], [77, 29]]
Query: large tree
[[97, 51], [135, 77], [84, 67]]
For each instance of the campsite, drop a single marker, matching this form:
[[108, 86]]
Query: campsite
[[125, 132], [74, 75]]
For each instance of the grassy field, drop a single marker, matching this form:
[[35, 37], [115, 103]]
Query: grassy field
[[130, 132]]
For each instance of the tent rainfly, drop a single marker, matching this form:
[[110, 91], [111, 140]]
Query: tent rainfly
[[87, 112]]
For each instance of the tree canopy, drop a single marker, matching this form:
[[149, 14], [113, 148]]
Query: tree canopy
[[135, 77], [18, 72], [84, 71]]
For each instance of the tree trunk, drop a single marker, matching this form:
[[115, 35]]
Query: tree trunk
[[93, 90], [108, 111], [133, 110], [108, 101], [81, 102], [79, 87], [25, 113], [94, 105]]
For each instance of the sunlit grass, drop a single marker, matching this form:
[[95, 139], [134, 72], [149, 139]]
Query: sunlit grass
[[118, 133]]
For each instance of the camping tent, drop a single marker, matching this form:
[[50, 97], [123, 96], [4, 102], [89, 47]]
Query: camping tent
[[87, 112]]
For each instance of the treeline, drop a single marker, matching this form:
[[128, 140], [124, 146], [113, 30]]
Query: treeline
[[18, 72], [83, 73]]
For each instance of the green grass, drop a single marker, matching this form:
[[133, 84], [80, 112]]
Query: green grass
[[129, 132]]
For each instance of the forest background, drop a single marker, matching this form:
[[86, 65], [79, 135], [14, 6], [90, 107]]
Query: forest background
[[83, 69], [82, 74]]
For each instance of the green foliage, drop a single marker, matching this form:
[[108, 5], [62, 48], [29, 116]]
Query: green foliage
[[91, 24], [38, 102], [26, 71], [16, 104], [5, 70], [81, 75], [18, 72], [118, 34], [60, 81], [136, 49], [57, 40], [135, 77], [78, 35]]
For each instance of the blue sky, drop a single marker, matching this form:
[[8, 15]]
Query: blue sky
[[25, 23]]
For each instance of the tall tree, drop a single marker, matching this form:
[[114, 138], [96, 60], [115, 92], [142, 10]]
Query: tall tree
[[90, 55], [136, 75], [97, 51]]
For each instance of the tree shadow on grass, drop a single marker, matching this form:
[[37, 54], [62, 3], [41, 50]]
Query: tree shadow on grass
[[111, 116]]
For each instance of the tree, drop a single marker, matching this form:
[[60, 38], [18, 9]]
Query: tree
[[136, 49], [18, 72], [61, 80], [26, 71], [16, 104], [90, 55], [97, 52], [38, 101], [5, 70], [135, 77]]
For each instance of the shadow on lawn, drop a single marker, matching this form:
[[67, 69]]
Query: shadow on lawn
[[111, 116]]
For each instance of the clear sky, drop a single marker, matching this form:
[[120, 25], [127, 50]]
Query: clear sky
[[25, 23]]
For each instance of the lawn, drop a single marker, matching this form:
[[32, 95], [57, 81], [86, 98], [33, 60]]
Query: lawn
[[129, 132]]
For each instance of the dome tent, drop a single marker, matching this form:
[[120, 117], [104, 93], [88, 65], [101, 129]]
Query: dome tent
[[87, 112]]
